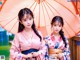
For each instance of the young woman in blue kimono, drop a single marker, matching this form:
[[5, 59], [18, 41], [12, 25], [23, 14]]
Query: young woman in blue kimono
[[57, 42]]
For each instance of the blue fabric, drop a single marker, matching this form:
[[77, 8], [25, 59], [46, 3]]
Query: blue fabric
[[46, 54], [78, 43], [29, 51], [57, 45]]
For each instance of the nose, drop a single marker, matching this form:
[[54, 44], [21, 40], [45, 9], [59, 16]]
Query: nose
[[57, 27], [28, 21]]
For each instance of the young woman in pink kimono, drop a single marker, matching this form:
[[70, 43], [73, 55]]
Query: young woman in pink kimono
[[28, 43], [57, 42]]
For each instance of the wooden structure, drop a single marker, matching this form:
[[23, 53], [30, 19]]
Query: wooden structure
[[75, 48]]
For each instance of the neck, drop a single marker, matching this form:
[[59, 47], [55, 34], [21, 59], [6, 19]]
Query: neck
[[56, 34], [28, 29]]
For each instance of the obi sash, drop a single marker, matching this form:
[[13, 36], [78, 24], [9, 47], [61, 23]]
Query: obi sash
[[29, 51]]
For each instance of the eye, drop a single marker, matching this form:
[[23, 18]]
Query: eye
[[60, 25], [55, 25], [30, 18], [24, 20]]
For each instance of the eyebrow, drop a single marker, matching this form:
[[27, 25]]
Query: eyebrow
[[57, 24]]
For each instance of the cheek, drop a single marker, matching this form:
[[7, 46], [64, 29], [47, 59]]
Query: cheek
[[24, 23], [31, 22], [54, 28], [60, 28]]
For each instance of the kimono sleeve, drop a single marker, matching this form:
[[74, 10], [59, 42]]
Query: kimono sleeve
[[66, 51], [42, 50], [15, 53]]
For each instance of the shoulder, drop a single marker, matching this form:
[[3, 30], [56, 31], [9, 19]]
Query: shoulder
[[16, 39], [66, 38], [40, 33], [47, 37], [17, 36]]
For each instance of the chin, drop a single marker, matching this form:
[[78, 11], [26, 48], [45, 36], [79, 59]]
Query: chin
[[28, 27], [56, 32]]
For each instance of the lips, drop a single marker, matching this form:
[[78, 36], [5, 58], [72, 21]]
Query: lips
[[28, 25], [56, 30]]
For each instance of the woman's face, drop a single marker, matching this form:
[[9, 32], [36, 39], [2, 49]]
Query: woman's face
[[56, 27], [27, 21]]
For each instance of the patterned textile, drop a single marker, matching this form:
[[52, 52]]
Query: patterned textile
[[22, 42], [58, 44]]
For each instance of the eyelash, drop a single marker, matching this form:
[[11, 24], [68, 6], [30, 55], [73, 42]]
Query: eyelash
[[29, 19], [24, 20], [59, 25]]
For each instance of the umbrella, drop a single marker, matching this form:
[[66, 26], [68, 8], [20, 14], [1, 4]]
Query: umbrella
[[44, 11], [77, 6], [2, 2]]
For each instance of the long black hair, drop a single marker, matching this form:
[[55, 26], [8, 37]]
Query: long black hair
[[59, 19], [21, 27]]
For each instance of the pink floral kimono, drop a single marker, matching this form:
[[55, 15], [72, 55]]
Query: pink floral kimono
[[21, 43], [58, 44]]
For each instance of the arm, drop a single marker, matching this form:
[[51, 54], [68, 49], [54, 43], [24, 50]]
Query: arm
[[15, 49], [66, 52], [15, 52], [42, 49]]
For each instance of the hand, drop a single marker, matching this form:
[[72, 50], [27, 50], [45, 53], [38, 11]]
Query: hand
[[28, 56], [60, 55], [54, 51], [53, 55], [34, 54]]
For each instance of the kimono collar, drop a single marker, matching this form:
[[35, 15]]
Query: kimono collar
[[53, 37]]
